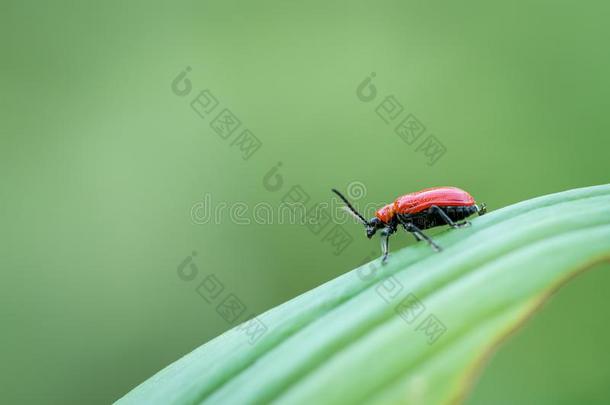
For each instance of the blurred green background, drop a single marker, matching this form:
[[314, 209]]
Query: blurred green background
[[101, 164]]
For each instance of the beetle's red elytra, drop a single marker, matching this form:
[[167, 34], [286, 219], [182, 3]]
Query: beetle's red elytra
[[419, 210], [442, 196]]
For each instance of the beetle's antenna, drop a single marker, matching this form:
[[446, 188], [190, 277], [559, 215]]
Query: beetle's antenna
[[351, 208]]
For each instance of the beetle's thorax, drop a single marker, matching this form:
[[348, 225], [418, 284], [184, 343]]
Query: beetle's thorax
[[386, 213]]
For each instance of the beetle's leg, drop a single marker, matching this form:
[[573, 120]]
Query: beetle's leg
[[418, 232], [385, 243], [448, 220], [404, 225]]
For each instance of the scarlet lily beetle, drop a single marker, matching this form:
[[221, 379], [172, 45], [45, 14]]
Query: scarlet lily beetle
[[416, 211]]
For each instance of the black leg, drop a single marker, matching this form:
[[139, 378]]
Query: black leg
[[385, 243], [448, 220], [419, 234]]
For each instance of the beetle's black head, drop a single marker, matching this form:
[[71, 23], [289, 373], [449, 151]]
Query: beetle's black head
[[482, 209], [372, 226]]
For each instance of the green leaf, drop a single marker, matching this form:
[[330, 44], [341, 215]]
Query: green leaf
[[343, 343]]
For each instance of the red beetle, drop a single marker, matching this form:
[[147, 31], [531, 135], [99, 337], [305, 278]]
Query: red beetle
[[417, 211]]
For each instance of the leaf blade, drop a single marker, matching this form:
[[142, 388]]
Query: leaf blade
[[309, 333]]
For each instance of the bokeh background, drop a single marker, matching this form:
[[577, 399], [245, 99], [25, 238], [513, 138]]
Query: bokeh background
[[101, 164]]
